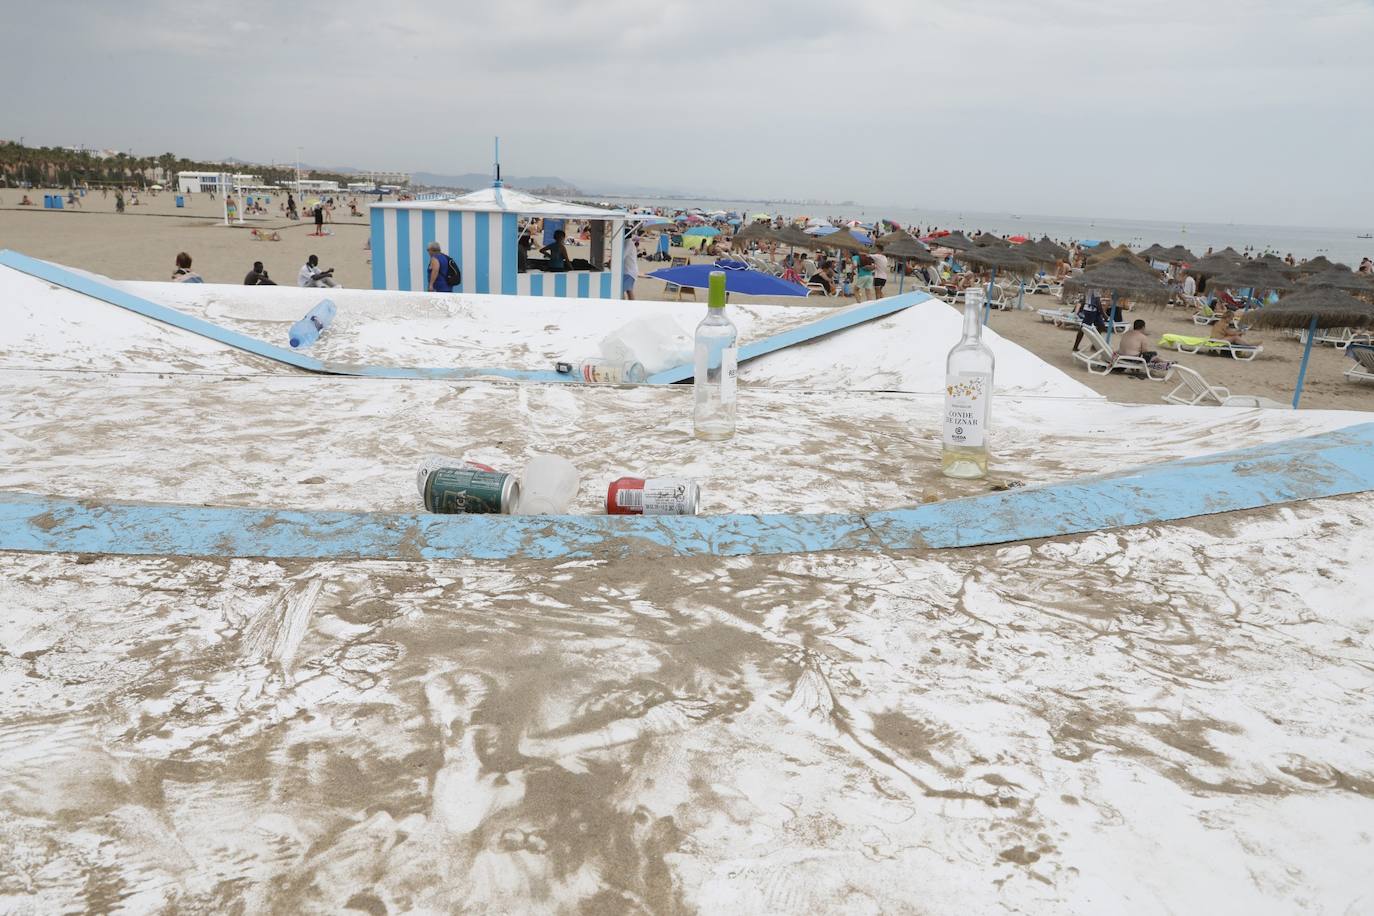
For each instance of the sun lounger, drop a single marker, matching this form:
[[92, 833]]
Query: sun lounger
[[1337, 337], [1101, 359], [1060, 318], [1195, 391], [1243, 352], [1363, 355]]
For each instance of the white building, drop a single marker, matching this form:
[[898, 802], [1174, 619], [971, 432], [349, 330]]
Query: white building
[[193, 182]]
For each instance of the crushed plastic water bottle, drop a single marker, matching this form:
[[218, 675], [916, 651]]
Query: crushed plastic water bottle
[[306, 331]]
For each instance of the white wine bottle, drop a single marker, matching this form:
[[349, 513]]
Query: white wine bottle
[[715, 359], [968, 396]]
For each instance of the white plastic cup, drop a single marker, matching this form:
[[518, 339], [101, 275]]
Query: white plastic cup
[[548, 486]]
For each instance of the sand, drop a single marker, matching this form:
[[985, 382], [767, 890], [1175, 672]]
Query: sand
[[142, 244]]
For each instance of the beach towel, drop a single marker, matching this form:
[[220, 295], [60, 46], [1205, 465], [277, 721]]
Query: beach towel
[[1184, 342]]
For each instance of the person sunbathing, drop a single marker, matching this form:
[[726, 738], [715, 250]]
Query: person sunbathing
[[1226, 330]]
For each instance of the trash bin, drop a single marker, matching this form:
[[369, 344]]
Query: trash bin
[[47, 201], [181, 200], [57, 201]]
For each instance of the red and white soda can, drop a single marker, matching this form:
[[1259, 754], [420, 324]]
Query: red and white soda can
[[653, 496]]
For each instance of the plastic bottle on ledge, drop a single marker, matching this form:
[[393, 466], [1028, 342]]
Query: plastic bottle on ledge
[[716, 358], [306, 331], [605, 372]]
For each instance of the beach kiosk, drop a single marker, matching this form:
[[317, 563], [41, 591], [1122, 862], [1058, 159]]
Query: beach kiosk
[[480, 231]]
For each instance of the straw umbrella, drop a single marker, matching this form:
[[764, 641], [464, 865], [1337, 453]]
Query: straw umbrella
[[1003, 258], [1317, 265], [1210, 266], [1123, 278], [1051, 247], [1177, 255], [1311, 308], [1153, 252], [1121, 252], [1253, 275], [905, 246], [843, 240], [1277, 263], [987, 238], [1346, 280], [956, 241]]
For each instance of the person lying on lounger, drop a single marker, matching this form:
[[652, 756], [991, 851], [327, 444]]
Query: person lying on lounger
[[1226, 329]]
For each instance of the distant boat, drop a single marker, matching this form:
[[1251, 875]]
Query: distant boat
[[1365, 236]]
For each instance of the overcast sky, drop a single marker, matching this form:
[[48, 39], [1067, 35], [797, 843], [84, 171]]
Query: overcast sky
[[1254, 111]]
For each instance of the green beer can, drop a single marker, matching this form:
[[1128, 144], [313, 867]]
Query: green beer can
[[467, 490]]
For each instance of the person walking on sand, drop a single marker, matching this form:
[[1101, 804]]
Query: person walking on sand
[[880, 272], [439, 262], [1090, 315], [119, 200], [311, 275], [291, 207], [319, 219], [630, 265]]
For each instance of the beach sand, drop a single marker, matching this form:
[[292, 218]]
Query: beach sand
[[142, 243]]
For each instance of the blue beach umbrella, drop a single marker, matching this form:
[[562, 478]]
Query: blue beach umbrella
[[738, 279], [707, 231]]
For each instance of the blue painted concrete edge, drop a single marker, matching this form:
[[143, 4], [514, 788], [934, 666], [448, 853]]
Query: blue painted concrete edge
[[839, 321], [87, 286], [1331, 464]]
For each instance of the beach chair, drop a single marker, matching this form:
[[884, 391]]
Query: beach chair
[[1339, 338], [1363, 355], [1101, 359], [1060, 318], [1185, 344], [1193, 389]]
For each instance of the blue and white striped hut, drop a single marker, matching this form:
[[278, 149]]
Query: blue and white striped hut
[[480, 231]]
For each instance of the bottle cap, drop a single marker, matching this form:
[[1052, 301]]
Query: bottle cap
[[715, 297]]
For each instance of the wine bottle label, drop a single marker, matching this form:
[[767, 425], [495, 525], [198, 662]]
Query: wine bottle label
[[966, 408], [729, 371]]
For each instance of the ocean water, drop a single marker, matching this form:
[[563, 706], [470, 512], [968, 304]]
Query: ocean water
[[1338, 244]]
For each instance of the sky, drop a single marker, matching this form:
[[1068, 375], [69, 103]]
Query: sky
[[1254, 111]]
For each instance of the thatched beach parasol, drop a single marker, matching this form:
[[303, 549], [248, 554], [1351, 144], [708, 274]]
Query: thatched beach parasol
[[1318, 264], [1349, 281], [906, 246], [987, 238], [753, 232], [1212, 265], [791, 235], [1153, 252], [1252, 275], [1120, 253], [1049, 246], [1314, 307], [1123, 279], [1177, 255], [843, 240], [955, 241]]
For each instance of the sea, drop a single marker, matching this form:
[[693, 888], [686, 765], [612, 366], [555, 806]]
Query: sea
[[1337, 244]]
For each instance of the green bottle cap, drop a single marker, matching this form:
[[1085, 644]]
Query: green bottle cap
[[715, 298]]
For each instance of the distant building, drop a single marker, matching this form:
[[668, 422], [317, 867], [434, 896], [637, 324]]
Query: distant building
[[401, 179], [195, 182]]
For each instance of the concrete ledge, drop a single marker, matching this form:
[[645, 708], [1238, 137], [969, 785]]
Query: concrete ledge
[[1312, 467], [52, 273]]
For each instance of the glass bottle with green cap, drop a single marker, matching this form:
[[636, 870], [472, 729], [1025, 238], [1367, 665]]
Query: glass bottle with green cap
[[716, 357]]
